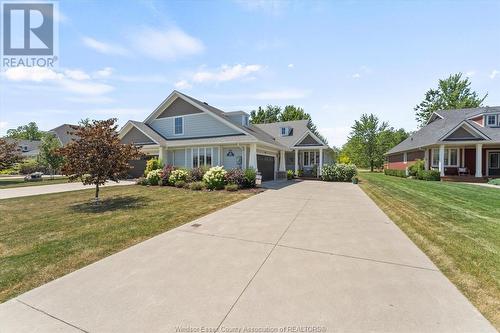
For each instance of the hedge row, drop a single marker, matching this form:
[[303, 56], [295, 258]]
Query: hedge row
[[395, 172], [420, 174]]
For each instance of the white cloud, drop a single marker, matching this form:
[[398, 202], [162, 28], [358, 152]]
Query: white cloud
[[362, 71], [69, 80], [105, 72], [3, 124], [336, 136], [76, 74], [226, 73], [470, 73], [103, 47], [273, 7], [291, 65], [142, 78], [494, 74], [182, 84], [165, 44], [90, 100], [356, 76]]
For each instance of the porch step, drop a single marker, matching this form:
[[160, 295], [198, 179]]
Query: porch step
[[464, 179]]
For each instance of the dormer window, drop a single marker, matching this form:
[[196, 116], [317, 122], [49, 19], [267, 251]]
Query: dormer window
[[286, 131], [245, 121], [491, 120]]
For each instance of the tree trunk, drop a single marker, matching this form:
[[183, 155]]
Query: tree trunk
[[96, 193], [371, 166]]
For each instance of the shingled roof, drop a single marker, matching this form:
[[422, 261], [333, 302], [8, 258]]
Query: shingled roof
[[446, 121]]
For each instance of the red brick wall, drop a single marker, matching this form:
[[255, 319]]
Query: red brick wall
[[396, 161]]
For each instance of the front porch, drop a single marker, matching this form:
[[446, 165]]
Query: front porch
[[457, 162], [305, 162]]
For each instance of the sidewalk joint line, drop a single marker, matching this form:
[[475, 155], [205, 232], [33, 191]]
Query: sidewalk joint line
[[54, 317], [358, 258], [261, 265], [226, 237]]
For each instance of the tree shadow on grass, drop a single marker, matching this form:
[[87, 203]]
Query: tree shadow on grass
[[110, 204]]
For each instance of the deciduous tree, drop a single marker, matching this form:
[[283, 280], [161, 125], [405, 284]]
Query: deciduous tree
[[9, 155], [270, 114], [452, 93], [97, 155], [48, 153], [26, 132]]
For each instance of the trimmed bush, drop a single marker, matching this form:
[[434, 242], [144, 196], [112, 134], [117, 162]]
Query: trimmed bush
[[236, 177], [178, 175], [142, 181], [249, 178], [180, 184], [338, 172], [432, 175], [197, 186], [215, 178], [419, 165], [231, 187], [395, 173], [152, 164], [289, 174], [31, 165], [196, 174], [154, 176]]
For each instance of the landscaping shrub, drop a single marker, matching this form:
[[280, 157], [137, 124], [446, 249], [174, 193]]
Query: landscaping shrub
[[419, 165], [432, 175], [154, 176], [231, 187], [31, 165], [289, 174], [178, 175], [165, 173], [142, 181], [180, 184], [338, 172], [236, 177], [152, 164], [196, 174], [197, 186], [249, 178], [215, 178], [495, 181], [395, 172]]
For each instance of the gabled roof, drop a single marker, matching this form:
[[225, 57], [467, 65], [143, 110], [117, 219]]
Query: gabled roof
[[444, 124], [62, 132], [145, 129], [300, 131]]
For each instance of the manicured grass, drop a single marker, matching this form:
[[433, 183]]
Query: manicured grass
[[47, 236], [456, 225], [19, 182]]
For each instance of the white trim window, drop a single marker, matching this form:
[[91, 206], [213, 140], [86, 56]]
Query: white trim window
[[202, 156], [178, 125], [450, 157], [491, 120], [310, 158]]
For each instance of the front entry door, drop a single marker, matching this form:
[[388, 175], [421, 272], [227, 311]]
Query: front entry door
[[494, 163]]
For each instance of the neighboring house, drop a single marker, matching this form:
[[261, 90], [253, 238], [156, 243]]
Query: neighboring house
[[27, 148], [465, 141], [186, 132], [63, 133]]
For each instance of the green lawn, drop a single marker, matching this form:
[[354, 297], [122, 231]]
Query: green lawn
[[456, 225], [7, 182], [44, 237]]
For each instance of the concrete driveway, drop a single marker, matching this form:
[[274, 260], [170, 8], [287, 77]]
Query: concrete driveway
[[309, 257], [27, 191]]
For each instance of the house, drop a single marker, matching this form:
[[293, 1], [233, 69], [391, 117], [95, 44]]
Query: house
[[465, 142], [62, 133], [186, 132], [27, 148]]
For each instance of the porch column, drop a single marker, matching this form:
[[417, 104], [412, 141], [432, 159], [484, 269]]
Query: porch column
[[320, 161], [426, 159], [441, 160], [252, 159], [282, 161], [462, 155], [162, 155], [479, 160], [296, 162]]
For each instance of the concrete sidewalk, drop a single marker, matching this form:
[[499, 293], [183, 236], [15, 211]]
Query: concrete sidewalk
[[26, 191], [312, 255]]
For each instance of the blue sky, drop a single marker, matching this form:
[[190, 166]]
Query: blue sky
[[335, 59]]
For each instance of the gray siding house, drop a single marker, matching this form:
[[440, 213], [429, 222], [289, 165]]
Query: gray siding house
[[186, 132]]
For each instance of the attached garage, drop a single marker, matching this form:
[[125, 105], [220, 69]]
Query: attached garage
[[137, 167], [265, 164]]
